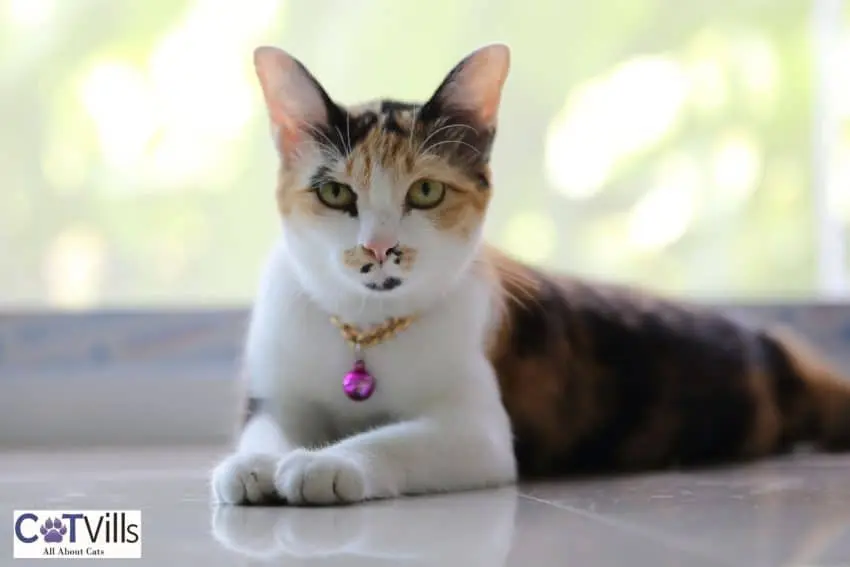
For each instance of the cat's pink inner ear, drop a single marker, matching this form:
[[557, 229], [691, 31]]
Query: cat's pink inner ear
[[475, 84], [294, 99]]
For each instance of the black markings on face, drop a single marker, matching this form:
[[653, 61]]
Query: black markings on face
[[397, 106], [396, 253], [366, 268], [386, 285], [351, 210], [391, 125], [344, 130]]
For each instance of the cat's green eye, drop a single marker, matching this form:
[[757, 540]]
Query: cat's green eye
[[426, 194], [335, 195]]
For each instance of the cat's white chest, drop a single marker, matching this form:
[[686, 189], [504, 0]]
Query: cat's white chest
[[314, 360], [297, 358]]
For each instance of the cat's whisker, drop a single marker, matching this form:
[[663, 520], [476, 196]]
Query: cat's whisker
[[332, 149], [461, 142], [414, 113], [342, 140], [327, 152], [348, 132], [443, 128]]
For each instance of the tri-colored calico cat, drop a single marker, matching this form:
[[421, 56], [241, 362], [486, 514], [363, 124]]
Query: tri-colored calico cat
[[391, 352]]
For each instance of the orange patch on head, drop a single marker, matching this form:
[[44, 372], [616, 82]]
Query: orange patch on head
[[461, 212], [294, 200], [358, 169], [388, 151], [463, 209]]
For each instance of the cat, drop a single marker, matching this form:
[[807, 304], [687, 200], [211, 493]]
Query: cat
[[496, 370]]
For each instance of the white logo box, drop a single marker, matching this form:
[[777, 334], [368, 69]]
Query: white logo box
[[77, 534]]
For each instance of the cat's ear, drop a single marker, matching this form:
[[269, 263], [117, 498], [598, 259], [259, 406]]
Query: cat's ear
[[295, 100], [474, 86]]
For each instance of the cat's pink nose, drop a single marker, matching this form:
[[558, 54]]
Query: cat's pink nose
[[379, 249]]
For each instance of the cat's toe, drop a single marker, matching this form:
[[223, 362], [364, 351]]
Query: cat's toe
[[244, 479], [320, 477]]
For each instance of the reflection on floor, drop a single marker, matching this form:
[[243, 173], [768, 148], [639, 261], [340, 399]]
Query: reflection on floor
[[790, 511]]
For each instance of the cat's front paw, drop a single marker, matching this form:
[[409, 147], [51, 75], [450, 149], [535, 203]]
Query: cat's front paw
[[320, 477], [245, 479]]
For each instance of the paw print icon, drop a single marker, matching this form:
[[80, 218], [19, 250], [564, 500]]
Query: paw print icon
[[53, 530]]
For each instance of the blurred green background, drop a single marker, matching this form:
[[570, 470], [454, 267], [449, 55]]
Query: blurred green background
[[656, 142]]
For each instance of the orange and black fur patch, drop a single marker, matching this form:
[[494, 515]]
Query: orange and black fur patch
[[605, 378]]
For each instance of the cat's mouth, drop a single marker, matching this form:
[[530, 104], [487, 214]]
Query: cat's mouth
[[386, 285]]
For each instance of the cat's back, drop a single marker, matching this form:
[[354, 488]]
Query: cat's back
[[603, 375]]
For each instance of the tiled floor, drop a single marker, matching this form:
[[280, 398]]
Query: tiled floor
[[791, 511]]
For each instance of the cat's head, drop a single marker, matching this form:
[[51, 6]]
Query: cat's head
[[385, 198]]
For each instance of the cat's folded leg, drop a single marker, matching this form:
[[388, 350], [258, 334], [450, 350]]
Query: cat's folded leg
[[247, 475], [451, 449]]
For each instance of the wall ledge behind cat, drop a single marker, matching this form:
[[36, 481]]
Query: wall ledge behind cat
[[171, 377]]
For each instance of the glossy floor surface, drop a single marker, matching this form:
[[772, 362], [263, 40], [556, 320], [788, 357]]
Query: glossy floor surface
[[790, 511]]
